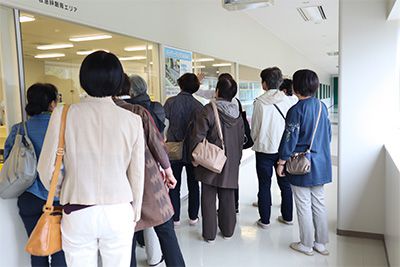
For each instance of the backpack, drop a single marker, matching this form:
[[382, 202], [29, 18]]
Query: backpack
[[19, 169]]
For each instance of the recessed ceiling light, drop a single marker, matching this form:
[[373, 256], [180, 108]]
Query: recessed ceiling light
[[203, 59], [89, 37], [26, 18], [199, 67], [312, 13], [222, 65], [137, 48], [132, 58], [88, 52], [50, 55], [54, 46]]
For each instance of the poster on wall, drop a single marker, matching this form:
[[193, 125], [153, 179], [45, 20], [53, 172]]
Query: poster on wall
[[177, 63]]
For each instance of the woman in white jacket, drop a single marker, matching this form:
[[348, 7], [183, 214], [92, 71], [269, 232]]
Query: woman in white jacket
[[268, 125], [102, 185]]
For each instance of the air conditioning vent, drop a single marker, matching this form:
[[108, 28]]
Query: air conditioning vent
[[245, 4], [312, 13]]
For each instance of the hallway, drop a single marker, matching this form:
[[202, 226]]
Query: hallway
[[252, 246]]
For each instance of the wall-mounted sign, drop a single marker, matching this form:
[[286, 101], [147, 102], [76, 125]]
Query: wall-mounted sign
[[60, 5], [177, 63]]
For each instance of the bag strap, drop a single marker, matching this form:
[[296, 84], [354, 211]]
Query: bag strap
[[240, 105], [218, 122], [48, 207], [283, 116], [316, 126]]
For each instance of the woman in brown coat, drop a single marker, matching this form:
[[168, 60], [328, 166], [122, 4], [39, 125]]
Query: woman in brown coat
[[225, 183]]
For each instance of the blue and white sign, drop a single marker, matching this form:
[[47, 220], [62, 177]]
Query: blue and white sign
[[177, 63]]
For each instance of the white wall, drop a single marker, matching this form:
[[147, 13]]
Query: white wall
[[392, 208], [200, 26], [368, 71]]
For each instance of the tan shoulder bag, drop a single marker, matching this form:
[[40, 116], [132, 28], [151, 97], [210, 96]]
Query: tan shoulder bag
[[208, 155], [45, 239]]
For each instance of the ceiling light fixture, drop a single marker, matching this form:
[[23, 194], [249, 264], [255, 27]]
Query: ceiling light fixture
[[89, 37], [88, 52], [137, 48], [206, 59], [132, 58], [245, 4], [54, 46], [26, 18], [199, 67], [50, 55], [312, 13], [222, 65]]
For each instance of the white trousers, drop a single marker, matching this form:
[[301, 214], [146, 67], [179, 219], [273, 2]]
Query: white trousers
[[105, 228], [312, 214], [152, 246]]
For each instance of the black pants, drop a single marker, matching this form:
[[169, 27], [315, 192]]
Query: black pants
[[193, 187], [168, 243], [265, 164], [30, 210], [226, 211]]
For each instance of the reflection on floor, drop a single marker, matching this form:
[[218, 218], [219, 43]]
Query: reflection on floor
[[252, 246]]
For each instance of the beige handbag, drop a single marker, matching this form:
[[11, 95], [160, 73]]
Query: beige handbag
[[299, 163], [209, 155], [175, 150], [45, 238]]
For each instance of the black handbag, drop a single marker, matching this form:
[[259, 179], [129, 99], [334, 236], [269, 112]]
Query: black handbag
[[248, 141]]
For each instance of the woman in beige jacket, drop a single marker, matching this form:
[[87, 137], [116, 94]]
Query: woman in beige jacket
[[103, 177]]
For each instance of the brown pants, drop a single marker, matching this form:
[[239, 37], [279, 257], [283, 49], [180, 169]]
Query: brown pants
[[226, 211]]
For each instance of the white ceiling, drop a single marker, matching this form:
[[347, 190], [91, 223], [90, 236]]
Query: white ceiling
[[310, 39]]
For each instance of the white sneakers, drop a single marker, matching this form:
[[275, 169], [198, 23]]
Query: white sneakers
[[193, 222], [320, 248], [262, 225], [281, 220]]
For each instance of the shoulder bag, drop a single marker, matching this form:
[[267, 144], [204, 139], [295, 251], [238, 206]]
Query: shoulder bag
[[45, 238], [208, 155], [19, 170], [299, 163], [248, 141]]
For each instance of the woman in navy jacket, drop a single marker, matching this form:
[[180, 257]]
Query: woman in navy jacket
[[308, 190]]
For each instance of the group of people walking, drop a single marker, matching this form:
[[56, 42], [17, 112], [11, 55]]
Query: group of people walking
[[118, 179]]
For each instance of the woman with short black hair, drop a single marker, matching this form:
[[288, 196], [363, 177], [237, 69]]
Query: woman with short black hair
[[102, 185], [180, 111], [224, 183], [42, 99], [307, 116]]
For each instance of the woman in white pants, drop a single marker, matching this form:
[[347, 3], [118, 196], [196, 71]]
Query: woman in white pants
[[102, 185], [308, 129]]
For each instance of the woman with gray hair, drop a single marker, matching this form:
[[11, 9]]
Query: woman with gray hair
[[139, 96]]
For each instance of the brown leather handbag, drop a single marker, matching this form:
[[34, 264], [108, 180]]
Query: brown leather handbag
[[299, 163], [208, 155], [45, 238]]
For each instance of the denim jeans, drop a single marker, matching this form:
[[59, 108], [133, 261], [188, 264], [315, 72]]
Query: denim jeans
[[265, 164], [193, 187], [169, 245], [30, 210]]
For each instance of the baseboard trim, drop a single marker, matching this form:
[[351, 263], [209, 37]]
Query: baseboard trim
[[367, 235], [360, 234]]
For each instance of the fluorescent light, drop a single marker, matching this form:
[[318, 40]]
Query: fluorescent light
[[222, 65], [137, 48], [89, 37], [132, 58], [54, 46], [88, 52], [199, 67], [50, 55], [25, 18], [312, 13], [203, 60]]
